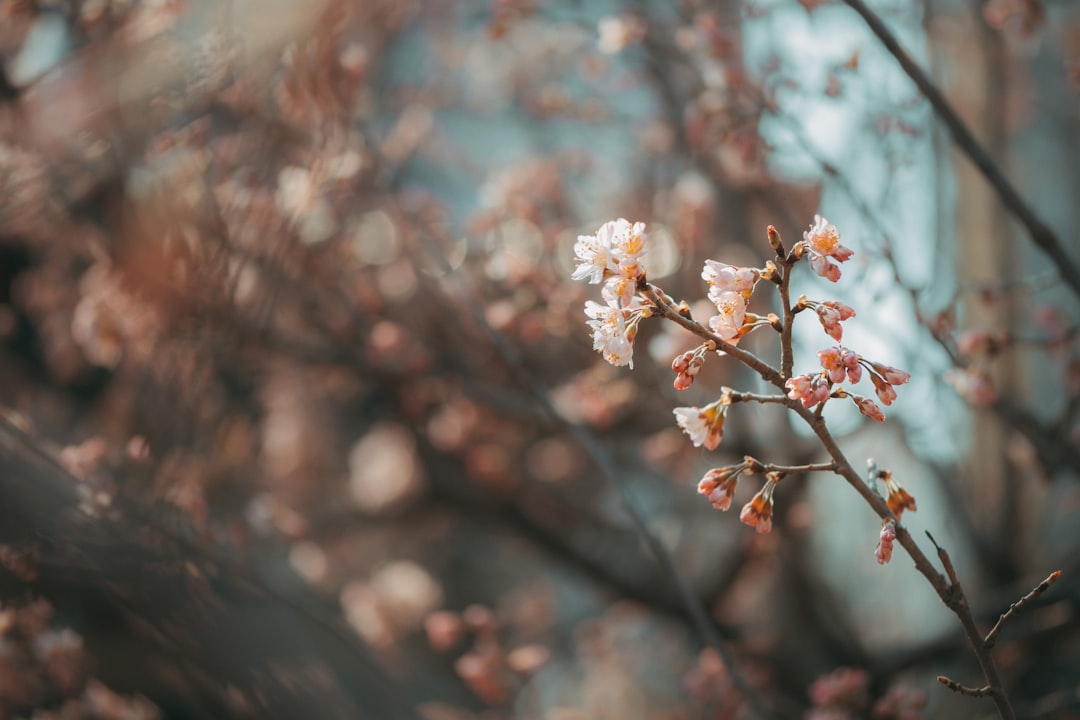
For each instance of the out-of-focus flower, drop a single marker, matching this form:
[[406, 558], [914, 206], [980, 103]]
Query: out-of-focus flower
[[842, 693], [884, 548], [810, 388], [822, 241], [704, 425], [618, 33], [758, 512], [973, 385], [897, 497]]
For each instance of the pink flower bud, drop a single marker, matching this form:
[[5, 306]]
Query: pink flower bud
[[868, 408], [891, 374], [883, 551]]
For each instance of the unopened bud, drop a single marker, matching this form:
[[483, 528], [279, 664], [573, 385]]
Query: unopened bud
[[775, 241]]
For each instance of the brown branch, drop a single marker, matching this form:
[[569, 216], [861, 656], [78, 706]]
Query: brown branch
[[759, 466], [1041, 234], [762, 368], [964, 689], [991, 637], [754, 397], [958, 603]]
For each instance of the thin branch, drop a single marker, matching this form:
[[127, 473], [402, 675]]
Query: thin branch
[[1041, 234], [964, 689], [957, 602], [754, 397], [991, 637], [787, 354], [762, 368], [792, 469]]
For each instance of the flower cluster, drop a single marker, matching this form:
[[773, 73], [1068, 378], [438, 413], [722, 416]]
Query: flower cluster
[[689, 364], [730, 288], [840, 363], [614, 329], [613, 257]]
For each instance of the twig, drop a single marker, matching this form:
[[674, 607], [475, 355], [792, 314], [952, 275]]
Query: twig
[[1043, 237], [759, 466], [963, 689], [957, 602], [991, 637], [762, 368], [754, 397]]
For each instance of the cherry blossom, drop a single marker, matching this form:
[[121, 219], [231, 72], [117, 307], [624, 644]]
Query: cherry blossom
[[758, 512], [810, 388], [614, 329], [822, 241], [723, 278], [719, 484], [612, 255], [728, 324], [704, 425]]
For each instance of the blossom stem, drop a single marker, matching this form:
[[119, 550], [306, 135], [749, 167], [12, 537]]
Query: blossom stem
[[793, 469], [754, 397], [762, 368], [787, 355]]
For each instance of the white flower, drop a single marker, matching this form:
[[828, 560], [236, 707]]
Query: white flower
[[594, 258], [732, 314], [724, 278], [614, 329], [627, 241], [705, 425], [613, 254]]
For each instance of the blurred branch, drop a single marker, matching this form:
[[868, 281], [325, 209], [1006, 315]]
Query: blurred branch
[[1041, 234], [213, 621]]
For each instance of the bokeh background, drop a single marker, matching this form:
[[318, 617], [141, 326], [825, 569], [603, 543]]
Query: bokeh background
[[300, 415]]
